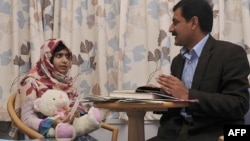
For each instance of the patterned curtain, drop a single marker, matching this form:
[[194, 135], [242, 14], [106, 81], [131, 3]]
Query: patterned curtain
[[117, 44]]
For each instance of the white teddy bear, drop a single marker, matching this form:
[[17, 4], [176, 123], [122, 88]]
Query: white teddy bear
[[53, 103]]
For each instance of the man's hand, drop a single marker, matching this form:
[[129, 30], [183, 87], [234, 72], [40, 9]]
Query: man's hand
[[173, 85]]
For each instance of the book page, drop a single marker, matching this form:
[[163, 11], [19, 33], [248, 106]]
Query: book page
[[124, 91], [74, 108], [133, 95]]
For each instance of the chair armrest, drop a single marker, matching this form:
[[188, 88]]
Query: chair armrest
[[17, 122]]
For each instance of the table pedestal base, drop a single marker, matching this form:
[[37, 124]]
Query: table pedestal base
[[136, 112], [136, 125]]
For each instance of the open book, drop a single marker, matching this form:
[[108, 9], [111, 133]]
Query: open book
[[141, 94], [146, 93]]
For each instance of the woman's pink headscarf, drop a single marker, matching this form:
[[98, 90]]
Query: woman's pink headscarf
[[44, 76]]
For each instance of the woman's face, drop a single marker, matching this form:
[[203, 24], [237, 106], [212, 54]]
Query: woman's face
[[62, 61]]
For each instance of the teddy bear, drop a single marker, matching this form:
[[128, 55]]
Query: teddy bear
[[54, 103]]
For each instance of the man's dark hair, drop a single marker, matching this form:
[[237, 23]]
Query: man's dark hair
[[199, 8]]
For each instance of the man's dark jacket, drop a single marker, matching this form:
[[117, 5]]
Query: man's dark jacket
[[220, 84]]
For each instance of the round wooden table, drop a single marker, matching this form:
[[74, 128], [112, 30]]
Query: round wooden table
[[136, 112]]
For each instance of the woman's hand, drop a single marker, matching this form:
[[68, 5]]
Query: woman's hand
[[76, 114], [66, 118], [61, 120]]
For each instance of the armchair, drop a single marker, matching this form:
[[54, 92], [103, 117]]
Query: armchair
[[34, 134]]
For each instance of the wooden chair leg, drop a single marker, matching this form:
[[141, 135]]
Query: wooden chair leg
[[111, 128]]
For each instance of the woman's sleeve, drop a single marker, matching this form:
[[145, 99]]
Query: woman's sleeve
[[29, 116]]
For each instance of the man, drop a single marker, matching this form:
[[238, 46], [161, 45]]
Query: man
[[212, 71]]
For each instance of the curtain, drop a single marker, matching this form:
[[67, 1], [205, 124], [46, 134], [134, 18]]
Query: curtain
[[116, 44]]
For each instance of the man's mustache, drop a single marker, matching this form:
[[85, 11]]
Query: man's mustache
[[174, 33]]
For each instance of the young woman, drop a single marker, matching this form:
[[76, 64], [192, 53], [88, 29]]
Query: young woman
[[51, 72]]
